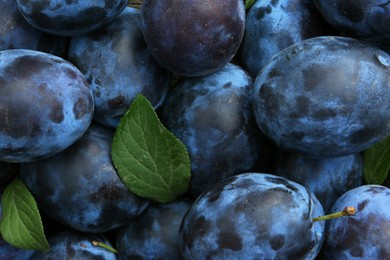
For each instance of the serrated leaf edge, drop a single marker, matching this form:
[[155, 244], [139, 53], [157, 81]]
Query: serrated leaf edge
[[39, 243], [167, 198]]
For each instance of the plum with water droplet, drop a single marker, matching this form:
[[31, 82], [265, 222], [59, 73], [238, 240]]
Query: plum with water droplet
[[325, 97]]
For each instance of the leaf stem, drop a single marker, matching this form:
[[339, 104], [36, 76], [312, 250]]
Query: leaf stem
[[105, 246], [346, 212]]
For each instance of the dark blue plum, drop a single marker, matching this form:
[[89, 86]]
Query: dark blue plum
[[193, 37], [212, 116], [46, 105], [273, 25], [80, 187], [155, 233], [119, 65], [364, 235], [366, 20], [325, 97], [70, 244], [327, 178], [253, 216], [70, 18], [17, 33]]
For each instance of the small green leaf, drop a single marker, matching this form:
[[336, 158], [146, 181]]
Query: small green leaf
[[21, 223], [377, 162], [150, 160], [249, 3]]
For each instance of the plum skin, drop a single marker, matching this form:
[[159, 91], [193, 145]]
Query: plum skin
[[17, 33], [271, 26], [80, 187], [253, 216], [365, 234], [365, 20], [193, 37], [154, 234], [46, 105], [327, 178], [70, 18], [118, 64], [325, 97], [212, 115]]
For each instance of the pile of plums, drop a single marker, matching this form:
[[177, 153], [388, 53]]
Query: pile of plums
[[275, 103]]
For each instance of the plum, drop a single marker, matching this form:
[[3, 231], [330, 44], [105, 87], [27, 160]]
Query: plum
[[325, 97], [365, 235], [80, 187], [365, 20], [193, 37], [327, 178], [17, 33], [70, 18], [212, 115], [119, 65], [272, 25], [46, 105], [154, 234], [253, 216]]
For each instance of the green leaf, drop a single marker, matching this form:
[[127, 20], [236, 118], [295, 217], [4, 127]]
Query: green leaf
[[21, 223], [150, 160], [249, 3], [377, 162]]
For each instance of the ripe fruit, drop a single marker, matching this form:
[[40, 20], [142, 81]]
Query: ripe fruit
[[271, 26], [365, 235], [327, 178], [17, 33], [193, 37], [80, 188], [70, 18], [119, 65], [213, 117], [253, 216], [365, 20], [325, 97], [154, 234], [45, 105]]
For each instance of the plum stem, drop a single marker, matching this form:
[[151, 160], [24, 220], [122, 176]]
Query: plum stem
[[105, 246], [347, 211], [249, 3]]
